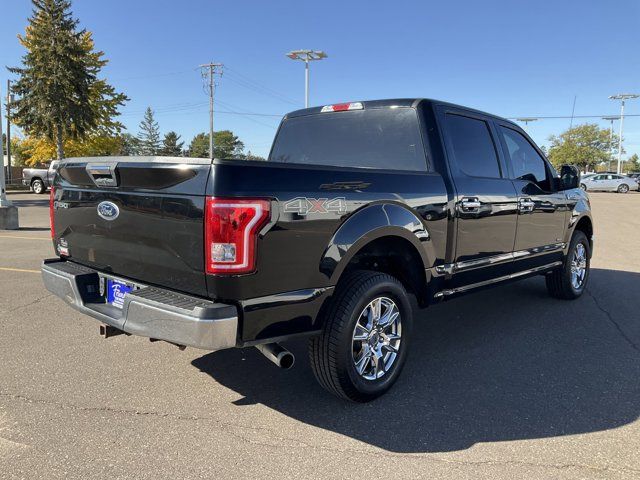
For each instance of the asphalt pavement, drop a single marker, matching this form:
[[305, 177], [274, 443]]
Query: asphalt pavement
[[502, 384]]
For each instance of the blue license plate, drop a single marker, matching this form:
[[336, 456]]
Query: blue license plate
[[116, 291]]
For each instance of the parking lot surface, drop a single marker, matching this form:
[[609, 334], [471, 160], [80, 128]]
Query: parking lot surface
[[505, 383]]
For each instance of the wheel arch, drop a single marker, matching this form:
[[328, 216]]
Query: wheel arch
[[585, 225], [384, 237]]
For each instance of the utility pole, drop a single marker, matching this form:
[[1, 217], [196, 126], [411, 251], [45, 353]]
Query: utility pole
[[611, 119], [306, 56], [622, 97], [209, 71], [9, 174]]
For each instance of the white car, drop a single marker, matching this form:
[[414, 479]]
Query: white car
[[608, 182]]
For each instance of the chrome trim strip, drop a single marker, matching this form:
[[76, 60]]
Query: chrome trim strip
[[511, 276], [451, 268]]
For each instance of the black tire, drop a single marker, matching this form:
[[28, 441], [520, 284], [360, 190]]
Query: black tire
[[332, 352], [583, 187], [559, 282], [38, 186], [623, 188]]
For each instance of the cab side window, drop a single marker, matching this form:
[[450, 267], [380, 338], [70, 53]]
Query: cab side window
[[526, 162], [473, 146]]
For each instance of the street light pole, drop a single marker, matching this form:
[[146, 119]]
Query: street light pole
[[611, 119], [4, 202], [526, 121], [622, 97], [8, 211], [306, 84], [306, 56]]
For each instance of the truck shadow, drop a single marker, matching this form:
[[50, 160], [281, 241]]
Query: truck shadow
[[503, 364]]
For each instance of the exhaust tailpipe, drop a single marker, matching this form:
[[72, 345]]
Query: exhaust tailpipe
[[277, 354]]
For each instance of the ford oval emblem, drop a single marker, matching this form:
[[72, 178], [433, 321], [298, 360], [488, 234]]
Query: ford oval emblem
[[108, 210]]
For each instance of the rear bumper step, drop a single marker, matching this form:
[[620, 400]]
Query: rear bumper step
[[148, 312]]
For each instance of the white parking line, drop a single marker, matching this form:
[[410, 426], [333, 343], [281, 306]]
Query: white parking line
[[23, 270], [25, 238]]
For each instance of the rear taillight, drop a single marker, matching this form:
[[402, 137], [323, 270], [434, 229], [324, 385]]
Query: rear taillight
[[231, 233], [51, 200]]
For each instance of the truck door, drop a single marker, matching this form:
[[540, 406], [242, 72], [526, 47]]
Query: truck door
[[486, 201], [542, 210]]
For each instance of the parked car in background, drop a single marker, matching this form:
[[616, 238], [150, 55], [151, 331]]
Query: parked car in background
[[40, 179], [636, 177], [609, 183]]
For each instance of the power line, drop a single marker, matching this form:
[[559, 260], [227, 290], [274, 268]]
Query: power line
[[247, 82], [153, 75], [238, 111], [561, 117]]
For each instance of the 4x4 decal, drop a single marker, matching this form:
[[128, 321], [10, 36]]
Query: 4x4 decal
[[306, 205]]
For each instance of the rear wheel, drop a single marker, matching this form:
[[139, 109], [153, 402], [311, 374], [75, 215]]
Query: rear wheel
[[38, 186], [569, 281], [363, 345], [623, 188]]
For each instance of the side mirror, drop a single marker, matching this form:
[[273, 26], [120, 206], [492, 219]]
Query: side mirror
[[569, 177]]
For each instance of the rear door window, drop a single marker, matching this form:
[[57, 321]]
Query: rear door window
[[473, 147]]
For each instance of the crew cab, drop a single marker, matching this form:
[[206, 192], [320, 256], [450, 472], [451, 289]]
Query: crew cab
[[359, 206]]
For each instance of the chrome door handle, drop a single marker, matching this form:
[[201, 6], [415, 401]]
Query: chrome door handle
[[526, 205], [470, 204]]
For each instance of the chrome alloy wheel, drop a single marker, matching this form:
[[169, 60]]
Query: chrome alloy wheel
[[376, 338], [578, 266]]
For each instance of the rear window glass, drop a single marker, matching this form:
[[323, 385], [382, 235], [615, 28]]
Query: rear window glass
[[376, 138]]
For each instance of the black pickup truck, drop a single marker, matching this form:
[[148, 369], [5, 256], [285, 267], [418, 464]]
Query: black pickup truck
[[359, 206]]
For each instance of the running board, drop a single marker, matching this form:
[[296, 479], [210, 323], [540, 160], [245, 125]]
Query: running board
[[466, 288]]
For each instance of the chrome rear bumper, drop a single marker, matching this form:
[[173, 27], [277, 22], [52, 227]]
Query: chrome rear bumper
[[148, 312]]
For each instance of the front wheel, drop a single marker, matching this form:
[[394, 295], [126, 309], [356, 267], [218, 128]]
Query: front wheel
[[569, 281], [583, 187], [363, 345], [623, 188]]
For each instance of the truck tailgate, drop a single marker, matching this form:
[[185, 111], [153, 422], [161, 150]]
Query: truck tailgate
[[140, 218]]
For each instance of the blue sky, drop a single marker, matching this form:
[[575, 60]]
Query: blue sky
[[511, 58]]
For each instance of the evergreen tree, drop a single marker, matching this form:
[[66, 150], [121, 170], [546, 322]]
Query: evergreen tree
[[199, 146], [59, 93], [149, 135], [633, 164], [171, 146], [129, 145], [226, 145]]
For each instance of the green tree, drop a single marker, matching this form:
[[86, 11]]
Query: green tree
[[59, 93], [149, 135], [199, 146], [226, 145], [633, 164], [171, 145], [251, 156], [129, 145], [584, 146]]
